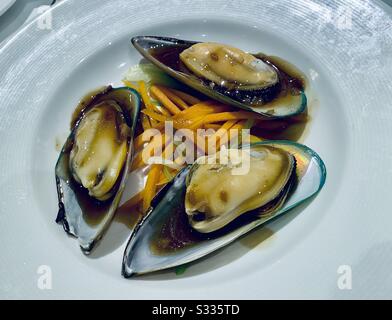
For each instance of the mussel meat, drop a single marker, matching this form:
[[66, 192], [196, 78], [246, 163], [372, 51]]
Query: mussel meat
[[93, 164]]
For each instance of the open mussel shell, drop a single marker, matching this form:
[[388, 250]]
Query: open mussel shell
[[141, 258], [164, 53], [82, 215]]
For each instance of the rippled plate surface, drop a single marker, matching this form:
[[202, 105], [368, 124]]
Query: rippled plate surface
[[5, 5], [348, 61]]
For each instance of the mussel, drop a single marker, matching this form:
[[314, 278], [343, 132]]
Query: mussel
[[94, 161], [207, 206], [227, 74], [216, 196]]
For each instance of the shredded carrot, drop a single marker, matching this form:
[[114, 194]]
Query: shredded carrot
[[173, 97], [226, 116], [185, 111], [169, 151], [137, 162], [157, 143], [197, 123], [139, 141], [162, 181], [134, 200], [155, 116], [166, 176], [151, 186], [164, 100], [190, 118], [194, 123], [145, 97], [191, 100], [202, 108], [159, 126], [222, 131], [158, 108], [146, 124], [153, 122], [131, 85], [213, 126], [147, 100], [199, 142], [232, 134]]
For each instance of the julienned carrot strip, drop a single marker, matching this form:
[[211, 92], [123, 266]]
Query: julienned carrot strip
[[191, 117], [191, 100], [131, 85], [147, 100], [169, 151], [155, 116], [197, 123], [163, 180], [201, 144], [202, 108], [134, 200], [157, 93], [191, 124], [159, 126], [151, 186], [226, 116], [145, 97], [139, 141], [213, 126], [154, 148], [227, 133], [166, 176], [222, 131], [146, 124], [197, 141], [154, 122], [233, 132], [173, 97], [137, 161], [195, 119], [160, 109]]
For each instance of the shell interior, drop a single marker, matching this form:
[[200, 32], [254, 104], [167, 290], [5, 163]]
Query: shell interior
[[139, 256], [273, 101], [85, 211]]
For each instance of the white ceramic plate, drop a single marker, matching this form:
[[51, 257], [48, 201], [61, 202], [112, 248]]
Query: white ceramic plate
[[5, 5], [345, 49]]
